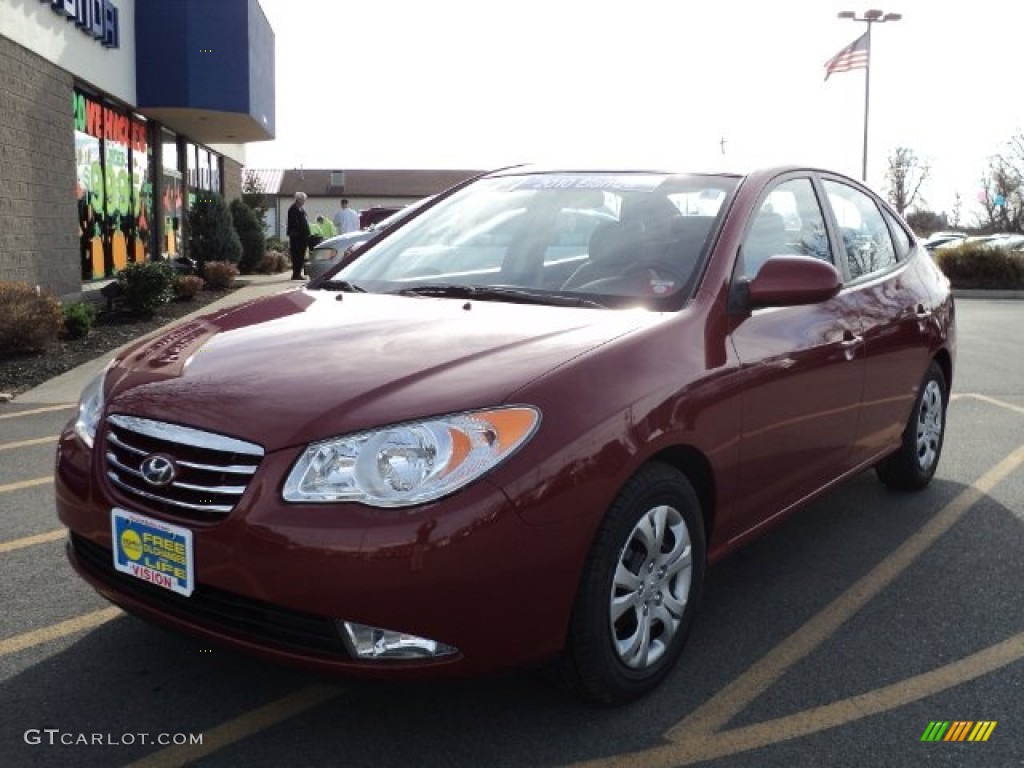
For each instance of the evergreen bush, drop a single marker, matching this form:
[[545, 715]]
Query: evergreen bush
[[980, 266], [145, 286], [211, 233], [79, 319], [250, 233]]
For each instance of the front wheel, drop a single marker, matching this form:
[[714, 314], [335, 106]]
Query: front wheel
[[639, 590], [912, 466]]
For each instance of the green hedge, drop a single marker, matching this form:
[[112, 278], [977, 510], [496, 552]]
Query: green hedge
[[978, 266]]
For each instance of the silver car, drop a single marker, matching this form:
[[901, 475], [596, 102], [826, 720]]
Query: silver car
[[329, 252]]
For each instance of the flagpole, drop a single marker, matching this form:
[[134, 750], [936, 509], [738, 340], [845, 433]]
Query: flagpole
[[867, 104], [869, 18]]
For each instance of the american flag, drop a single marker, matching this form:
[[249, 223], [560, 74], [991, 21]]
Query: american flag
[[853, 56]]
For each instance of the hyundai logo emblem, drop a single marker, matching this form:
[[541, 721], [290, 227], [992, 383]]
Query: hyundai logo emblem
[[157, 470]]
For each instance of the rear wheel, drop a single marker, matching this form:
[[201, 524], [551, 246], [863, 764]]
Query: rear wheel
[[912, 466], [639, 590]]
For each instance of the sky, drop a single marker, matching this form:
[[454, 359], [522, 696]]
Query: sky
[[645, 83]]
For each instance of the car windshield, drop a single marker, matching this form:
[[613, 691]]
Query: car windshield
[[582, 239]]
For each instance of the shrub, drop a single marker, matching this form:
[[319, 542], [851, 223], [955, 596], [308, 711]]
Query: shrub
[[273, 262], [79, 319], [250, 234], [145, 286], [211, 233], [275, 243], [187, 286], [219, 274], [977, 266], [30, 319]]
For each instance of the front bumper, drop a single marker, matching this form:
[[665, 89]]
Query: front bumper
[[276, 578]]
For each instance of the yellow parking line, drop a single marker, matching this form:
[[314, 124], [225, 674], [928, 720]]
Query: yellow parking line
[[27, 443], [241, 727], [31, 541], [732, 699], [1000, 403], [57, 631], [26, 484], [699, 737], [37, 410]]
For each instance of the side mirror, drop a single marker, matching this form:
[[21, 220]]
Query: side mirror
[[786, 281]]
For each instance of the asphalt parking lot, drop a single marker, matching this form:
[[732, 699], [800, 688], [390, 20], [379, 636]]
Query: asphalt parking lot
[[837, 639]]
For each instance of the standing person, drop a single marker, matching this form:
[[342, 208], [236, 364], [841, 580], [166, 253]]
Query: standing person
[[298, 234], [318, 232], [345, 218]]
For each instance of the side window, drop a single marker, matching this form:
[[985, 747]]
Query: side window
[[789, 222], [899, 236], [866, 238]]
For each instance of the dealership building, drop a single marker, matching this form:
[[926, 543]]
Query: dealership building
[[114, 115]]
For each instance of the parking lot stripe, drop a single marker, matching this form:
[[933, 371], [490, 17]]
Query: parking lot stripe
[[241, 727], [26, 484], [31, 541], [1000, 403], [736, 696], [27, 443], [34, 411], [57, 631]]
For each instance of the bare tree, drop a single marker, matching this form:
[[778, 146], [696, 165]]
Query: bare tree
[[904, 178], [1003, 188]]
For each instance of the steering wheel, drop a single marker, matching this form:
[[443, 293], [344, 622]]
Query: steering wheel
[[651, 279]]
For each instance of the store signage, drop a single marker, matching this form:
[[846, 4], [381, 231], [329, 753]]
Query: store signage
[[97, 18]]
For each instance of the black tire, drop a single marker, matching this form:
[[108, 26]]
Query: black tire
[[912, 466], [596, 664]]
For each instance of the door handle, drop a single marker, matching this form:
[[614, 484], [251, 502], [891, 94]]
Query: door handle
[[850, 343]]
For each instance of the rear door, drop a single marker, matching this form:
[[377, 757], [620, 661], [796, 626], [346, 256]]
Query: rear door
[[895, 312]]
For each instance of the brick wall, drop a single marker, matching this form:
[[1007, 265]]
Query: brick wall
[[38, 217]]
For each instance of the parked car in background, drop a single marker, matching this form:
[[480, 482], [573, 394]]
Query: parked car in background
[[370, 216], [488, 442], [328, 253], [937, 239]]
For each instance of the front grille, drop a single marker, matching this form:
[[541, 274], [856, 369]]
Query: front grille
[[205, 473], [225, 612]]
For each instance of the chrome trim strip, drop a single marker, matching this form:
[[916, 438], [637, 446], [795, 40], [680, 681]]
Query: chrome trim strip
[[112, 437], [174, 433], [195, 507], [235, 469], [226, 490]]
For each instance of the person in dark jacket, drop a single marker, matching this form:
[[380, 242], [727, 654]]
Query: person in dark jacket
[[298, 234]]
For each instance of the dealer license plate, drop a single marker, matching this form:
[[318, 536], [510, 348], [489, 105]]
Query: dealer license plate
[[153, 551]]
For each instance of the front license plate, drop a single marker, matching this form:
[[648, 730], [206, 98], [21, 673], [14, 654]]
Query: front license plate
[[153, 551]]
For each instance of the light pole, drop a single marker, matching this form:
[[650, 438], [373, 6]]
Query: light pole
[[869, 18]]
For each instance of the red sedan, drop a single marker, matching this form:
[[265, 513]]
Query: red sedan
[[518, 427]]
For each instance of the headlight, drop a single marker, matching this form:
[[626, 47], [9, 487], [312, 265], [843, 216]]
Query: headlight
[[90, 408], [409, 464]]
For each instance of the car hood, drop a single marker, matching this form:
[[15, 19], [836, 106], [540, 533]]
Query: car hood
[[306, 365]]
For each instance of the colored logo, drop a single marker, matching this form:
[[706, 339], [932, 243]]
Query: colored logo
[[958, 730], [131, 544], [157, 470]]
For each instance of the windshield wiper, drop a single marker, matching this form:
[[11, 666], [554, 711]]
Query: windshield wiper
[[500, 293], [341, 285]]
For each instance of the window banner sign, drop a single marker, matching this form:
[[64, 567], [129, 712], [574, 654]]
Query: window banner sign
[[142, 195], [114, 187]]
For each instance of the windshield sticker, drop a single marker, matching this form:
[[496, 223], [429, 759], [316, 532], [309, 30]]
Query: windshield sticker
[[590, 181]]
